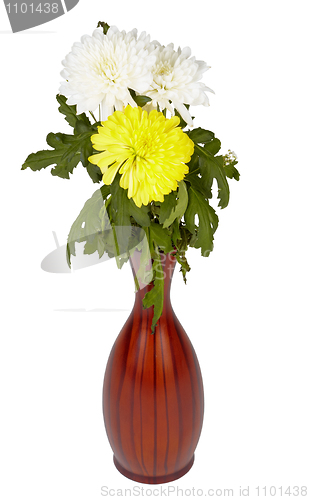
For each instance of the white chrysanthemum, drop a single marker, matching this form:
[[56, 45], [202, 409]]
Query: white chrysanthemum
[[100, 69], [176, 78]]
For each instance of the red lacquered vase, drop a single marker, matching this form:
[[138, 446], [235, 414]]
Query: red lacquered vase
[[153, 401]]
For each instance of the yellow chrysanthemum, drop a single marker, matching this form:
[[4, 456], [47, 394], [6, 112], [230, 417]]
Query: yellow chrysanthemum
[[149, 150]]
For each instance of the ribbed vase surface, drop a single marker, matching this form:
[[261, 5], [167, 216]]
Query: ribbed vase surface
[[153, 401]]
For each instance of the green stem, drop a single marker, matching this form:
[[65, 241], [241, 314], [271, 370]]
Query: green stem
[[116, 245], [90, 112], [193, 171]]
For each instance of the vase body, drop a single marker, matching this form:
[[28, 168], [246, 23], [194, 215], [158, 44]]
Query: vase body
[[153, 401]]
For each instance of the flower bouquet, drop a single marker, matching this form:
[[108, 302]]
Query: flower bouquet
[[128, 100], [156, 173]]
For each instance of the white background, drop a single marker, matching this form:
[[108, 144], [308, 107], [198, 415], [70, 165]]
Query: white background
[[244, 307]]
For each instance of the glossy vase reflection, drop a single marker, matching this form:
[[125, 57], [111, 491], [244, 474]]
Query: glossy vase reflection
[[153, 400]]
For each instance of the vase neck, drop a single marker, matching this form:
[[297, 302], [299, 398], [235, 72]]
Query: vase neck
[[168, 262]]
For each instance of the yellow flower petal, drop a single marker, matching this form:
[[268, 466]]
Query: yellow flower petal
[[110, 174], [150, 152]]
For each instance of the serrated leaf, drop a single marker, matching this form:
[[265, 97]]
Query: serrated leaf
[[83, 126], [70, 151], [176, 232], [231, 171], [63, 156], [160, 237], [144, 274], [214, 146], [70, 111], [180, 208], [208, 221], [41, 159], [119, 204], [64, 169], [87, 150], [59, 140], [193, 163], [141, 215], [201, 136], [120, 213], [96, 245], [167, 206], [195, 181], [184, 265], [94, 172], [87, 226], [211, 167]]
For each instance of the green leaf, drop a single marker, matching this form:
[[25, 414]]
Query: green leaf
[[155, 296], [214, 146], [184, 265], [211, 167], [120, 204], [160, 237], [182, 123], [87, 226], [176, 232], [94, 172], [180, 208], [194, 175], [70, 112], [96, 245], [71, 151], [201, 136], [196, 182], [68, 151], [193, 163], [140, 100], [167, 206], [105, 26], [141, 215], [87, 150], [120, 213], [58, 140], [231, 171], [144, 273], [64, 156], [83, 126], [208, 221]]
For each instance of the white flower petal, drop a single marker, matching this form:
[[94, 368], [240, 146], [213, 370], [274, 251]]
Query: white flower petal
[[101, 68], [184, 113], [176, 79]]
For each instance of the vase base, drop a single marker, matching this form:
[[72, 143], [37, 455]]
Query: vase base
[[153, 479]]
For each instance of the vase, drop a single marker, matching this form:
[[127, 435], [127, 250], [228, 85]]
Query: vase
[[153, 401]]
